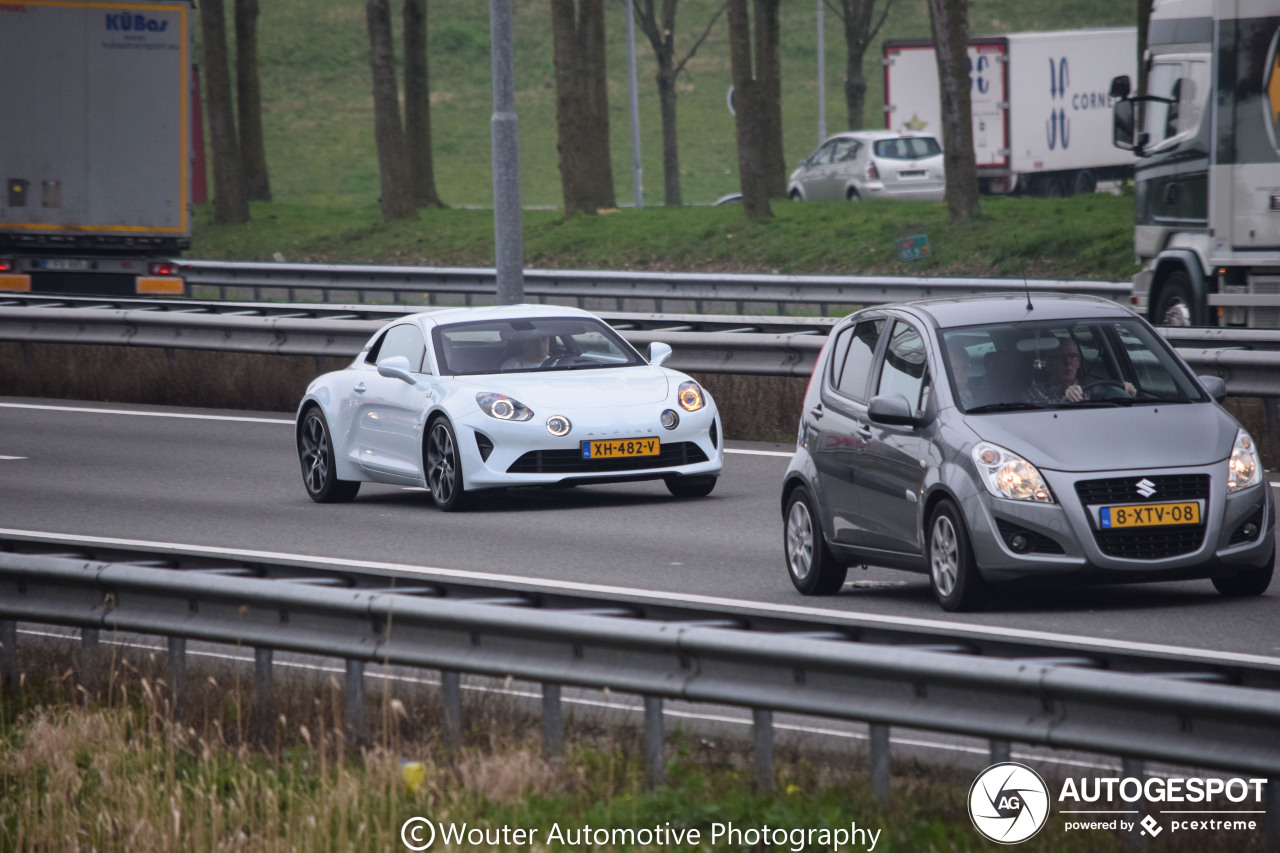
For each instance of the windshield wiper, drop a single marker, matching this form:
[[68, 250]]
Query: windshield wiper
[[1003, 407]]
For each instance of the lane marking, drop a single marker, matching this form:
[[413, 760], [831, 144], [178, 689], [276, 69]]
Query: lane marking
[[767, 608], [12, 457]]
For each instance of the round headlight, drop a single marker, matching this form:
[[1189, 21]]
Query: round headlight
[[669, 419], [558, 425], [503, 410], [690, 396]]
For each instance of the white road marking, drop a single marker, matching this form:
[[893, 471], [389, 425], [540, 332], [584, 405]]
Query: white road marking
[[770, 608], [13, 457]]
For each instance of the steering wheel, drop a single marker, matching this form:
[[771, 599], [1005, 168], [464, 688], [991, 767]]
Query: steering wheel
[[1111, 389]]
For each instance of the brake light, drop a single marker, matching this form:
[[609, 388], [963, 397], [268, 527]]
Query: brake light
[[872, 172], [163, 268], [6, 266]]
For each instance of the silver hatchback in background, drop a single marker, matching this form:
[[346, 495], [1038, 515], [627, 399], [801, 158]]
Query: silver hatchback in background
[[871, 164], [1003, 438]]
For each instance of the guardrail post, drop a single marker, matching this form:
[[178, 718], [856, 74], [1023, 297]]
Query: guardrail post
[[178, 676], [262, 693], [1001, 750], [655, 772], [552, 723], [1136, 840], [89, 661], [762, 748], [353, 716], [8, 653], [451, 699], [1271, 830], [879, 743]]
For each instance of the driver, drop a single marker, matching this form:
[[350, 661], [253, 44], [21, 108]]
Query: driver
[[533, 353], [1060, 382]]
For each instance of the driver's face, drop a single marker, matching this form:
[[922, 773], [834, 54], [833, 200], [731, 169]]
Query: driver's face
[[537, 349], [1063, 364]]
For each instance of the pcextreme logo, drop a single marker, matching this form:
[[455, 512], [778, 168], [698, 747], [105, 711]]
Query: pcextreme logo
[[1008, 802]]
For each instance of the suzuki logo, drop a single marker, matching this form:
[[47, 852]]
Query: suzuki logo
[[1145, 487]]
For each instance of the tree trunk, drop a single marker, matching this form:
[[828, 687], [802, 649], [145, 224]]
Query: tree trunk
[[672, 194], [582, 108], [769, 74], [950, 22], [253, 152], [749, 118], [859, 33], [417, 106], [393, 159], [230, 204]]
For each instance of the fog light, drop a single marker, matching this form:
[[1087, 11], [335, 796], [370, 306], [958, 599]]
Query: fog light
[[1020, 543], [1249, 531], [558, 425], [670, 419]]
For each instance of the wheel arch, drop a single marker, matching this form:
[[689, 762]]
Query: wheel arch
[[1170, 262]]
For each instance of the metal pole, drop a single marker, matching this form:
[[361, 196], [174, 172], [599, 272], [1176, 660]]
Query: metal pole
[[1133, 768], [762, 749], [90, 662], [637, 193], [880, 762], [552, 723], [822, 78], [451, 700], [354, 695], [9, 653], [262, 679], [508, 222], [1001, 751], [178, 676], [655, 773]]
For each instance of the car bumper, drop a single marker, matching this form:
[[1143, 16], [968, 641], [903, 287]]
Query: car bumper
[[922, 192], [497, 454], [1067, 538]]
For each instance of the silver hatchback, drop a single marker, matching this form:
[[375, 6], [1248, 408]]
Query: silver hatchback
[[871, 164], [984, 439]]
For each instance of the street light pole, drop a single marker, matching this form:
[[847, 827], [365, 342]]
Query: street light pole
[[636, 169], [822, 78], [504, 129]]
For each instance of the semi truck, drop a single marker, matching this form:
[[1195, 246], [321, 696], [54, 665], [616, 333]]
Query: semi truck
[[96, 149], [1041, 105], [1206, 130]]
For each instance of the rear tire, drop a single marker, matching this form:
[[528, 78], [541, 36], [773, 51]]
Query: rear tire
[[795, 196], [1248, 583], [852, 194], [319, 462], [953, 572], [813, 570], [1173, 307], [690, 487], [1084, 183]]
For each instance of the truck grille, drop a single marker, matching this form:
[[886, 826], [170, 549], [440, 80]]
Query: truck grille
[[570, 461]]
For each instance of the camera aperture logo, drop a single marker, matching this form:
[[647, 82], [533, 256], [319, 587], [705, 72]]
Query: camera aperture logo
[[1008, 802]]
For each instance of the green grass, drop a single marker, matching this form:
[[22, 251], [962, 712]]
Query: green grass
[[318, 113]]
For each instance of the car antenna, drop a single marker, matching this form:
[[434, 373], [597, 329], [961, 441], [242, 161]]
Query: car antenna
[[1025, 284]]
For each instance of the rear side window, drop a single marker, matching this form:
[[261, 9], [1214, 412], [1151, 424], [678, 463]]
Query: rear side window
[[855, 349], [405, 340], [907, 148]]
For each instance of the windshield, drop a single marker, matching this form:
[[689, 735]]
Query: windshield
[[543, 343], [1012, 366]]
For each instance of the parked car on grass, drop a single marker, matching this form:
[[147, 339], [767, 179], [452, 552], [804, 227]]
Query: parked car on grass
[[462, 400], [871, 164], [1003, 437]]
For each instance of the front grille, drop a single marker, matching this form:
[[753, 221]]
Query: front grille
[[1148, 543], [1123, 490], [1040, 544], [570, 461]]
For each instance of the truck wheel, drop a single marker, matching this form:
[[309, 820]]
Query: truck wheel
[[1084, 182], [1049, 186], [1173, 307]]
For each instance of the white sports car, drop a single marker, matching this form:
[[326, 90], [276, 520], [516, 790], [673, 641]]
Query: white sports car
[[466, 399]]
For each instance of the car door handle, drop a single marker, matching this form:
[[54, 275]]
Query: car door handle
[[359, 389], [863, 430], [816, 412]]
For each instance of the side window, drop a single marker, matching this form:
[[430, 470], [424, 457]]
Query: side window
[[823, 155], [858, 357], [905, 369], [406, 340]]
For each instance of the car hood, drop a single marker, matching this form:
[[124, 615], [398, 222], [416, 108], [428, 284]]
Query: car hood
[[578, 389], [1103, 439]]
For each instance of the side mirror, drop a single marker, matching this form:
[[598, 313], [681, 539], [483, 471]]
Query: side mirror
[[1215, 386], [659, 352], [1122, 125], [396, 367], [892, 410], [1120, 87]]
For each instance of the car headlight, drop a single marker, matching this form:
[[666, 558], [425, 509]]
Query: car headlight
[[503, 407], [690, 396], [1244, 468], [1008, 475]]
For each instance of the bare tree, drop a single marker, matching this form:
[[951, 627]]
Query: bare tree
[[661, 32], [230, 204], [950, 22], [393, 157], [768, 48], [859, 32], [582, 106], [749, 120], [253, 154], [417, 106]]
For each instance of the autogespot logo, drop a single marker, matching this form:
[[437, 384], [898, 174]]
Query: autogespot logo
[[1008, 802], [418, 833]]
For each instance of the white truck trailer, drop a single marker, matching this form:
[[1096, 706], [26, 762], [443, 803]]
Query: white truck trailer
[[95, 151], [1207, 182], [1041, 105]]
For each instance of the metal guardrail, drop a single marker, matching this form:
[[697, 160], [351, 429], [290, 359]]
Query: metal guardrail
[[592, 288], [1060, 702]]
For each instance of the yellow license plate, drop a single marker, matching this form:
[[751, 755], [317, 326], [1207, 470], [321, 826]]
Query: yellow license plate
[[1149, 515], [620, 448]]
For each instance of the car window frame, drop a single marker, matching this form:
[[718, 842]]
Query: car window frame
[[375, 351], [923, 402], [835, 369]]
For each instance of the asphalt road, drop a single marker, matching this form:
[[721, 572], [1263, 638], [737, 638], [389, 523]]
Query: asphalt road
[[231, 480]]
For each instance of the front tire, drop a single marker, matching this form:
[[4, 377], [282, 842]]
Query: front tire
[[1174, 305], [1249, 583], [812, 568], [444, 467], [953, 572], [795, 196], [690, 487], [319, 462]]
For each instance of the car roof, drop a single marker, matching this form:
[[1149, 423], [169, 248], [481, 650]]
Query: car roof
[[449, 316], [877, 134], [986, 308]]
